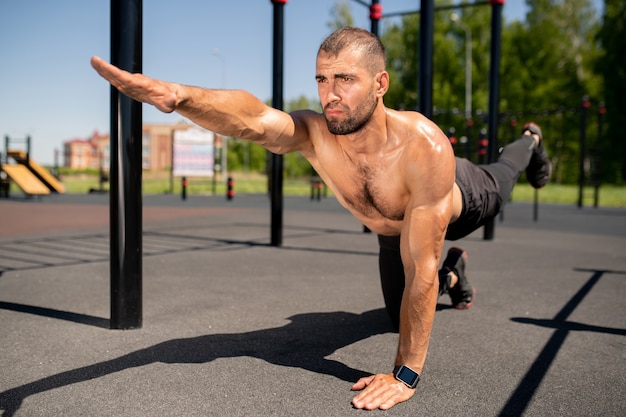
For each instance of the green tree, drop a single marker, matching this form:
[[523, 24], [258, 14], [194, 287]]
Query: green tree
[[611, 64], [546, 68], [250, 157], [341, 15], [400, 42], [449, 59], [547, 64]]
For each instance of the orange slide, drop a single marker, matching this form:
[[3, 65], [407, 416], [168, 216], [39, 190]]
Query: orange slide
[[37, 171], [25, 179]]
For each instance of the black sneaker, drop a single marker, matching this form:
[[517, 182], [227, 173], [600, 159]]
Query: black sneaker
[[462, 294], [539, 169]]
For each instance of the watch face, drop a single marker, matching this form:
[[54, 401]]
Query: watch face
[[407, 376]]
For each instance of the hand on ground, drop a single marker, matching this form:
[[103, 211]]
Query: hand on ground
[[380, 391]]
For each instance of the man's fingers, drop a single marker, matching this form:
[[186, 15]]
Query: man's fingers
[[160, 94], [96, 61], [102, 67], [109, 72], [380, 391], [362, 383]]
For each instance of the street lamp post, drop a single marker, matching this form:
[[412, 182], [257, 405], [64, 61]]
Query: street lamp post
[[468, 65], [224, 163], [217, 53]]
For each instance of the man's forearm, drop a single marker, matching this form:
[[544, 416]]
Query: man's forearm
[[233, 113], [416, 320]]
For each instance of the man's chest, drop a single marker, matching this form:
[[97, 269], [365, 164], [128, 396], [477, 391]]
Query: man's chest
[[373, 192]]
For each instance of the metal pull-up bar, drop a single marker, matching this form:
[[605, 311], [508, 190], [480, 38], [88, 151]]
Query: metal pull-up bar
[[276, 192], [125, 195], [126, 142]]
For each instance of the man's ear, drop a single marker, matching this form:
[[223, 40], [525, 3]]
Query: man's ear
[[382, 81]]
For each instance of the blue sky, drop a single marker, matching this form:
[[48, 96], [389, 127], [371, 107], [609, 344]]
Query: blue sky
[[49, 91]]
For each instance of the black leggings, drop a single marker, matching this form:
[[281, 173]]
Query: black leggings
[[511, 163], [478, 185]]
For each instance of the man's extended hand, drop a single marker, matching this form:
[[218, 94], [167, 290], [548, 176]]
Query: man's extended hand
[[162, 95], [380, 391]]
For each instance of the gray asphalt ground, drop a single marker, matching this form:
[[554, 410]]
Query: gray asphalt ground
[[235, 327]]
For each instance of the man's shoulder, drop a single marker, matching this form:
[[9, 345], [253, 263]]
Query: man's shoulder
[[411, 119], [415, 127], [427, 149], [406, 114]]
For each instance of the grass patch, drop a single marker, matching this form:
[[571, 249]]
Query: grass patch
[[253, 183], [608, 195], [160, 183]]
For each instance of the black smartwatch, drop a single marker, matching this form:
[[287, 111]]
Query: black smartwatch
[[408, 376]]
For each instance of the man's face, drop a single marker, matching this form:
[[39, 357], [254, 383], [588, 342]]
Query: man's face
[[347, 91]]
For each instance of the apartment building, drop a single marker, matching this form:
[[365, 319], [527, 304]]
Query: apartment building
[[94, 152]]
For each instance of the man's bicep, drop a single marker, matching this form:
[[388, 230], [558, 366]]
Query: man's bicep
[[424, 233], [425, 223], [287, 132]]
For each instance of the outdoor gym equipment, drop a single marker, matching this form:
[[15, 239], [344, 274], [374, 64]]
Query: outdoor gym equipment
[[126, 120]]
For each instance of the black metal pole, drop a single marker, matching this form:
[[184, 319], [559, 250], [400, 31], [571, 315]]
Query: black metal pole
[[28, 151], [536, 206], [100, 171], [125, 172], [494, 95], [376, 13], [597, 170], [425, 93], [277, 102], [183, 191], [583, 149], [468, 134]]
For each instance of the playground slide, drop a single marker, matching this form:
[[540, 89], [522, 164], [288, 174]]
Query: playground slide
[[25, 179], [40, 172]]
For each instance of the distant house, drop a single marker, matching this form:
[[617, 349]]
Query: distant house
[[87, 153], [94, 152]]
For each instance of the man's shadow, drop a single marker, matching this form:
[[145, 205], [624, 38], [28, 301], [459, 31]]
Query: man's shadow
[[303, 343]]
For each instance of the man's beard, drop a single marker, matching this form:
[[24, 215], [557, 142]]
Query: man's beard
[[355, 122]]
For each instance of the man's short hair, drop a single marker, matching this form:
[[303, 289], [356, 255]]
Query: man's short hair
[[357, 39]]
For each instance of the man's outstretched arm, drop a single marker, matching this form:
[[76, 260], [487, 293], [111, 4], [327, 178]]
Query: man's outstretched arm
[[228, 112]]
